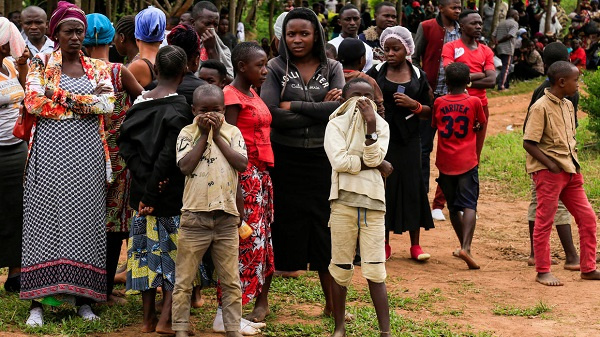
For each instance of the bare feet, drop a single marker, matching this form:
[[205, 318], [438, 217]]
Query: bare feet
[[197, 300], [548, 279], [341, 332], [121, 278], [112, 300], [572, 267], [348, 317], [531, 261], [233, 334], [291, 274], [593, 275], [149, 326], [164, 329], [468, 259], [456, 252], [258, 314]]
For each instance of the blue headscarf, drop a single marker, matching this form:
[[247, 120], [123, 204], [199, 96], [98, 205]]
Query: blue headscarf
[[100, 30], [150, 25]]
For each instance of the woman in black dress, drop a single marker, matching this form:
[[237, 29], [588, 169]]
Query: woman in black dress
[[407, 98]]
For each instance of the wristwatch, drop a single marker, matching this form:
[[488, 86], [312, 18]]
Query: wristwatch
[[372, 136]]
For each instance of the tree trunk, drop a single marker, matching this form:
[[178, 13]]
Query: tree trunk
[[109, 6], [272, 4], [496, 16], [239, 10], [548, 22], [232, 12], [251, 16], [481, 3]]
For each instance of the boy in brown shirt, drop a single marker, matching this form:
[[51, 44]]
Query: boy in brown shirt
[[549, 139]]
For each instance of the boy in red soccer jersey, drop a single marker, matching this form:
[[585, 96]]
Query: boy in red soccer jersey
[[457, 116]]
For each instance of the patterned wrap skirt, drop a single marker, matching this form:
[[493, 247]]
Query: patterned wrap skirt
[[151, 253], [64, 230], [256, 252]]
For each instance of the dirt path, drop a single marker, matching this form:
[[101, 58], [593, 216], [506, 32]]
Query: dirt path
[[500, 246]]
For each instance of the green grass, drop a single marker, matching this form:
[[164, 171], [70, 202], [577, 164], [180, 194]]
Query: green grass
[[293, 303], [536, 310], [517, 88], [63, 320], [503, 161]]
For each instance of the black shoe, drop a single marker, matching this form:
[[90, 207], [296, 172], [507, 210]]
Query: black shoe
[[13, 284]]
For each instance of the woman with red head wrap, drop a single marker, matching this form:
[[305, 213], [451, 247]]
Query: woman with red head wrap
[[64, 231]]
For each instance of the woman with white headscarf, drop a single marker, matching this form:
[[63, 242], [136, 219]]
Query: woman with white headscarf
[[407, 98], [13, 151]]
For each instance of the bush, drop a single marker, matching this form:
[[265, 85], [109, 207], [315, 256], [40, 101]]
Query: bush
[[591, 102]]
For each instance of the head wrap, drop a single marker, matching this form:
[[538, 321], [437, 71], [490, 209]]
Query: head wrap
[[278, 26], [9, 33], [100, 30], [401, 34], [351, 49], [521, 31], [150, 25], [416, 4], [64, 12]]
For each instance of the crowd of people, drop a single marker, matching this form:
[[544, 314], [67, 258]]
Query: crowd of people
[[210, 155]]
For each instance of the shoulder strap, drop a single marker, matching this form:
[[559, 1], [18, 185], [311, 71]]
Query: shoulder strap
[[415, 68], [151, 66]]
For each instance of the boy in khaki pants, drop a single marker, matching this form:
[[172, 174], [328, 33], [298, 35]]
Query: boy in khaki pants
[[210, 153], [356, 141]]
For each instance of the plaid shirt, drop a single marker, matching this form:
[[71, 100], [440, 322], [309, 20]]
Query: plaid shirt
[[441, 88]]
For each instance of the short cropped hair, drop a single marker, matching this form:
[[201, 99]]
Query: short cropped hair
[[555, 52], [216, 65], [466, 13], [202, 5], [206, 90], [457, 74], [351, 83], [560, 69]]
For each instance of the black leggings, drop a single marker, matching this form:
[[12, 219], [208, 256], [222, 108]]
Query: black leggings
[[114, 240]]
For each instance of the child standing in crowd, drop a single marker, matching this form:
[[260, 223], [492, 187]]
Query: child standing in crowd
[[457, 116], [147, 143], [246, 110], [553, 53], [210, 153], [578, 57], [351, 54], [213, 72], [356, 141], [549, 139], [406, 97]]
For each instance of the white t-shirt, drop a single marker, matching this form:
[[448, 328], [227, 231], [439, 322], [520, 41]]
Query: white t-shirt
[[11, 95], [369, 53]]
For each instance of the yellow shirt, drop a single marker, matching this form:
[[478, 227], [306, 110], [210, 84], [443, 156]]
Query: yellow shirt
[[213, 184], [550, 122]]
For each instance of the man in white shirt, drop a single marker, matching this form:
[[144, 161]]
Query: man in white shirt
[[35, 23], [350, 22]]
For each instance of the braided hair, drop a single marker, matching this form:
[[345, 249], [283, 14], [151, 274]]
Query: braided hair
[[169, 61], [126, 26], [185, 37], [242, 53]]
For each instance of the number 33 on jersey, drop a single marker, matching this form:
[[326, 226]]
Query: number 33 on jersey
[[454, 117]]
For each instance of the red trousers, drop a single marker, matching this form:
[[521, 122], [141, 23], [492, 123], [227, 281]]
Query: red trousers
[[439, 201], [568, 187]]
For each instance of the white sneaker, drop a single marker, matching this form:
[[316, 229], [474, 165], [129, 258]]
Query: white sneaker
[[247, 328], [437, 214], [86, 313], [36, 317]]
